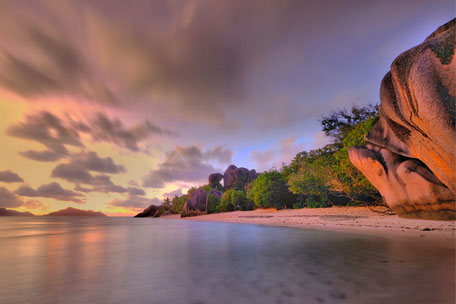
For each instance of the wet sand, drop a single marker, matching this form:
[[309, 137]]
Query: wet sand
[[345, 219]]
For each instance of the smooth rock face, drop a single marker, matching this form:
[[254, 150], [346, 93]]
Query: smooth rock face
[[196, 204], [412, 159], [407, 185], [218, 194]]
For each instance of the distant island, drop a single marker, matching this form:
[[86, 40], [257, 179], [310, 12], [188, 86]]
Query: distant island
[[75, 212], [64, 212], [8, 212]]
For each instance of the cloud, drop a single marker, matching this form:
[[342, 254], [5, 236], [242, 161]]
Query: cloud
[[189, 59], [103, 183], [263, 159], [9, 199], [133, 183], [190, 65], [72, 174], [104, 129], [321, 140], [92, 162], [56, 133], [135, 203], [78, 169], [187, 164], [33, 204], [99, 183], [52, 190], [10, 177], [172, 194], [219, 154], [284, 152], [48, 130]]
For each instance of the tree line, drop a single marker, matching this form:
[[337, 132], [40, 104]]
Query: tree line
[[317, 178]]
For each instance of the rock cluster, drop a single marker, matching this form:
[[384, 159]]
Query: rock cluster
[[198, 202], [237, 178], [411, 158], [233, 178]]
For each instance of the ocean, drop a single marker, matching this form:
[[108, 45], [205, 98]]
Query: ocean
[[152, 260]]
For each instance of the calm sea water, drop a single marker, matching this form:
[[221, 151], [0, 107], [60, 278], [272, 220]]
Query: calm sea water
[[124, 260]]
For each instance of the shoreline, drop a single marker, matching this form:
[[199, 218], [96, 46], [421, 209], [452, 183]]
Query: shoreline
[[358, 220]]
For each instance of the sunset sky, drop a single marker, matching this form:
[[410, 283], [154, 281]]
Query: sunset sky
[[113, 105]]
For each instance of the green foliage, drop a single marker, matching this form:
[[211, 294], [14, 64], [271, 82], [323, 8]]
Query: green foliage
[[177, 204], [309, 174], [212, 203], [225, 203], [240, 183], [167, 204], [319, 174], [347, 178], [206, 188], [270, 189], [191, 190], [313, 179], [219, 187], [311, 202], [234, 200], [340, 123]]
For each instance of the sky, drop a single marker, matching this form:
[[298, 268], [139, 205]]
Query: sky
[[113, 105]]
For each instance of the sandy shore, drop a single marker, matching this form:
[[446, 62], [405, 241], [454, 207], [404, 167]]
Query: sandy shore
[[348, 219]]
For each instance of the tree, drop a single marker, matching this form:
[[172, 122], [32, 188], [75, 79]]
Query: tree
[[206, 188], [178, 203], [270, 189], [339, 123], [167, 204], [212, 203], [234, 200], [321, 176], [346, 177], [309, 176]]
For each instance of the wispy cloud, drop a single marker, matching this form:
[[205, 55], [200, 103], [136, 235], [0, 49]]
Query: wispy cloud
[[10, 177], [52, 190], [187, 164], [9, 199]]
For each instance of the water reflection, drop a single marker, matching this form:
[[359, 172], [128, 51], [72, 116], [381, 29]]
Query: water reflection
[[91, 260]]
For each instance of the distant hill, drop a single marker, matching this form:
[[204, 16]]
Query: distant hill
[[75, 212], [8, 212]]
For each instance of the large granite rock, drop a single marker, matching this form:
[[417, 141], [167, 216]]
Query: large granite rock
[[214, 180], [237, 178], [196, 204], [218, 194], [412, 156], [149, 211]]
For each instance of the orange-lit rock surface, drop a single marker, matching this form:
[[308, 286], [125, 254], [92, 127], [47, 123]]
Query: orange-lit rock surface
[[412, 156]]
